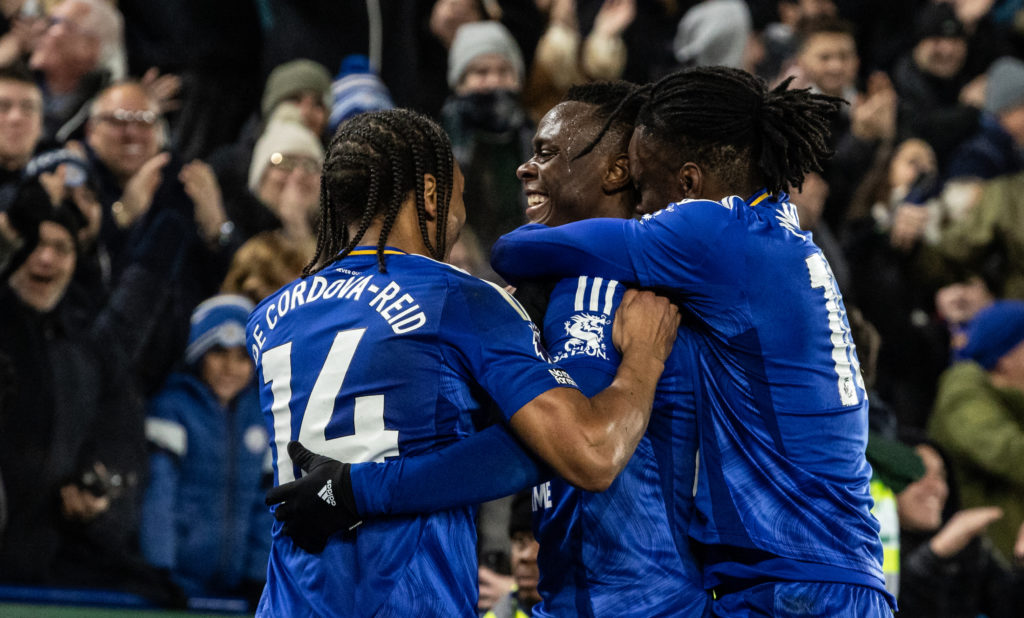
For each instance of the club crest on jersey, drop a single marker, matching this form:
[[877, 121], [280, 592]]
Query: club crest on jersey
[[586, 336]]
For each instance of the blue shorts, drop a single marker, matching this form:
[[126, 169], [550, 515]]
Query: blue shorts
[[803, 599]]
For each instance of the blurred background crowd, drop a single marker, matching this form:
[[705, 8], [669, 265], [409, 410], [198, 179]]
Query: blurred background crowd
[[159, 175]]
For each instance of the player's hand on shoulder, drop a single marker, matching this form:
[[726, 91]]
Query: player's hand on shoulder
[[319, 504], [647, 323]]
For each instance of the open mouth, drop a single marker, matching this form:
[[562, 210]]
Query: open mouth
[[536, 206], [40, 280]]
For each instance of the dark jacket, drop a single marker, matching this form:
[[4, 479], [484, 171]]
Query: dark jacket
[[70, 408], [988, 153]]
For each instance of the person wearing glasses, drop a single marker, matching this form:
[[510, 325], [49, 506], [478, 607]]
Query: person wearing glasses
[[160, 214], [283, 182]]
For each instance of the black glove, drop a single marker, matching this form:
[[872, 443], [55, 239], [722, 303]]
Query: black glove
[[317, 505]]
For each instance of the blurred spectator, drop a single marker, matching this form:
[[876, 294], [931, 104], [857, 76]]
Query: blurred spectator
[[72, 442], [648, 36], [79, 53], [263, 264], [948, 566], [827, 61], [564, 57], [939, 97], [995, 150], [779, 38], [987, 35], [895, 275], [431, 30], [957, 302], [305, 83], [302, 83], [356, 89], [21, 107], [826, 58], [988, 237], [979, 418], [20, 23], [284, 181], [520, 601], [488, 126], [713, 32], [137, 177], [154, 206], [203, 516]]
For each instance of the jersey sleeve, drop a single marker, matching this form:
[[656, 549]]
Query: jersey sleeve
[[578, 330], [491, 336], [485, 466], [674, 247]]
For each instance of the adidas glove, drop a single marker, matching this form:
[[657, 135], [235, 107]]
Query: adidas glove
[[317, 505]]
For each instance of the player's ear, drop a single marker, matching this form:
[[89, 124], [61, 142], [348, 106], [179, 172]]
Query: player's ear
[[616, 177], [430, 196], [691, 180]]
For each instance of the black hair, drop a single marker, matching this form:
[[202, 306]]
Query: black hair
[[616, 104], [813, 25], [732, 124], [17, 72], [374, 160]]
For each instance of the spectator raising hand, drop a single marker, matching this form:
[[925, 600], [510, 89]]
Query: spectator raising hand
[[873, 114], [201, 185]]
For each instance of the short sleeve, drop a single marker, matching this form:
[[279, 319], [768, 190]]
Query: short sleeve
[[490, 334]]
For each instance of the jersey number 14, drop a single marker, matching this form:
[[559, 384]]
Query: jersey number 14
[[370, 440]]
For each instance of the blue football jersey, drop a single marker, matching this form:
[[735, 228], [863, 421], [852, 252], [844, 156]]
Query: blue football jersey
[[621, 552], [363, 366], [783, 484]]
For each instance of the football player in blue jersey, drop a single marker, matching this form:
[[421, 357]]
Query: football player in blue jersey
[[623, 552], [783, 521], [383, 351]]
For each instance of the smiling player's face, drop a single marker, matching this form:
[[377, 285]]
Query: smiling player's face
[[558, 187]]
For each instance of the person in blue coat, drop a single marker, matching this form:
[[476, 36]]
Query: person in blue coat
[[203, 514]]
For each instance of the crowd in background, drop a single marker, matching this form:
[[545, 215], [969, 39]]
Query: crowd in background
[[160, 175]]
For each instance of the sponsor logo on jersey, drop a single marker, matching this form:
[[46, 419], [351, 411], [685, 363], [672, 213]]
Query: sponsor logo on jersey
[[562, 377], [541, 497]]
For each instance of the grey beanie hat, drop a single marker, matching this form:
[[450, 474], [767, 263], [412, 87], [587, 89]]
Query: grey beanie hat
[[476, 39], [295, 76], [1005, 88]]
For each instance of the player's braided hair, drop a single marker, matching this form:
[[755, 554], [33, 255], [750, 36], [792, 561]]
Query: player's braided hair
[[616, 103], [731, 122], [373, 162]]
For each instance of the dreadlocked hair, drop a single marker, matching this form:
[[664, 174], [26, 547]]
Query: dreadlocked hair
[[374, 160], [744, 133], [617, 103]]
